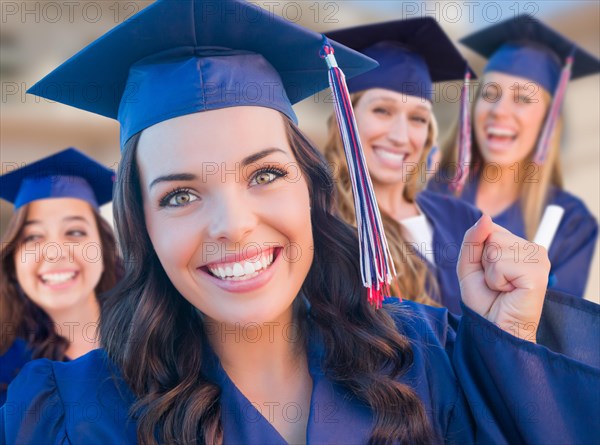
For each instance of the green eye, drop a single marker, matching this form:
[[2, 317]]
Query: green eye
[[181, 199], [178, 198], [267, 175], [265, 178]]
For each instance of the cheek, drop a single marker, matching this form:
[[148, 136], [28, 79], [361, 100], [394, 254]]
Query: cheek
[[90, 259], [533, 118], [291, 216], [172, 239], [480, 113], [418, 136], [25, 267], [368, 127]]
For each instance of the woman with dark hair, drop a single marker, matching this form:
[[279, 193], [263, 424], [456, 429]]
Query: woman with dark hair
[[515, 169], [58, 256], [241, 317], [393, 106]]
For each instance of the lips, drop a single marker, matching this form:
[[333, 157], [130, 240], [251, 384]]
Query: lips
[[58, 278], [389, 155], [242, 267], [499, 137]]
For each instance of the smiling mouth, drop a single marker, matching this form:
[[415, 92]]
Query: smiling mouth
[[243, 270], [500, 135], [390, 155], [58, 278]]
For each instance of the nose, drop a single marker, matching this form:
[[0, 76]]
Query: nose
[[232, 217], [501, 106], [398, 133], [53, 251]]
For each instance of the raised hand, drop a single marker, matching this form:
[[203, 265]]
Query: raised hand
[[503, 277]]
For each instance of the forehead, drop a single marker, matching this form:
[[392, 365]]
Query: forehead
[[393, 97], [503, 80], [218, 136], [55, 209]]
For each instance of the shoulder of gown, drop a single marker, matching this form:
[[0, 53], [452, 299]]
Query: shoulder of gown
[[82, 401], [574, 244], [11, 362], [442, 205]]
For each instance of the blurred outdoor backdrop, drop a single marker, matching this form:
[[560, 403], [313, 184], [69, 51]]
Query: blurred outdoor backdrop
[[36, 36]]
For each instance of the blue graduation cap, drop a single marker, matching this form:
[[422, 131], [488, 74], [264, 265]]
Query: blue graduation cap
[[412, 54], [525, 47], [178, 57], [66, 174]]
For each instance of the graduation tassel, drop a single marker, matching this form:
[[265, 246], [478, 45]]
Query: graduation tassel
[[463, 137], [542, 149], [377, 268]]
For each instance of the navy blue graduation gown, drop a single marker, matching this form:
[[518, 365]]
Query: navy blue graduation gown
[[572, 250], [11, 363], [450, 218], [478, 383]]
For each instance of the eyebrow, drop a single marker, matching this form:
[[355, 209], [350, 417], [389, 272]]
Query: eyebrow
[[174, 177], [386, 99], [389, 99], [65, 219], [261, 154], [192, 177]]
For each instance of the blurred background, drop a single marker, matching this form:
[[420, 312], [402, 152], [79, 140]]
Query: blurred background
[[36, 36]]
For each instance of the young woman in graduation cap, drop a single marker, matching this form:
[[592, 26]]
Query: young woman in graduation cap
[[58, 255], [393, 110], [514, 172], [247, 321]]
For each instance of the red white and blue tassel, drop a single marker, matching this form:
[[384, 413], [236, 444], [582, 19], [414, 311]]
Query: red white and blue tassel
[[541, 151], [463, 138], [377, 267]]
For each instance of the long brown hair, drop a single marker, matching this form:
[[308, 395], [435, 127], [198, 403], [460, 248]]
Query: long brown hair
[[19, 315], [154, 334], [535, 181], [414, 280]]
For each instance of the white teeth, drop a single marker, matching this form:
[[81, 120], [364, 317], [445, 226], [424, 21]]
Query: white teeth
[[494, 131], [245, 269], [248, 268], [238, 270], [398, 157], [57, 278]]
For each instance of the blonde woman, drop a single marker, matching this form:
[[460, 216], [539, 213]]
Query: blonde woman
[[393, 109], [515, 167]]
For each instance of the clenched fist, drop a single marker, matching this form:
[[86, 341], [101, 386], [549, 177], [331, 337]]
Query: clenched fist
[[503, 277]]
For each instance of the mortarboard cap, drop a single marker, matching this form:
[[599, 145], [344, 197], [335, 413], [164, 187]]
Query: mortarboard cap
[[525, 47], [178, 57], [412, 54], [67, 174]]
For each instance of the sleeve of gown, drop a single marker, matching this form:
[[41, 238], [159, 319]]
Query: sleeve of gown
[[570, 326], [521, 392], [572, 251], [34, 412]]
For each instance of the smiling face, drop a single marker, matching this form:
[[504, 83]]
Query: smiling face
[[508, 118], [394, 129], [227, 211], [58, 262]]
